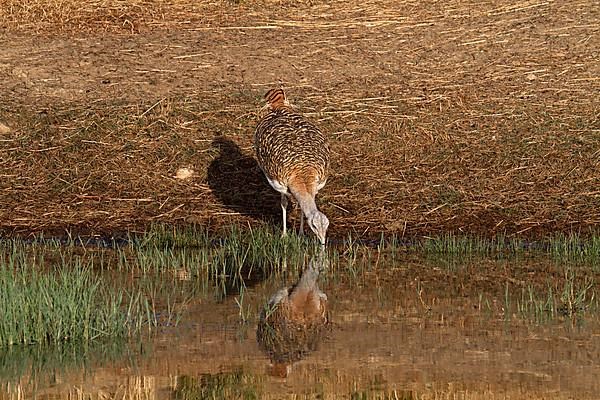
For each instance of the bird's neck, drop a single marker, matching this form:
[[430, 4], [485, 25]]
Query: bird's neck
[[308, 280], [306, 201]]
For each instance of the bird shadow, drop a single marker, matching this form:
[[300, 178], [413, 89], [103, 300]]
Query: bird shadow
[[238, 182]]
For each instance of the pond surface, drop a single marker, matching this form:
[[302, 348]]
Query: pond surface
[[413, 328]]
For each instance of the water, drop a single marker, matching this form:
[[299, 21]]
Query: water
[[412, 328]]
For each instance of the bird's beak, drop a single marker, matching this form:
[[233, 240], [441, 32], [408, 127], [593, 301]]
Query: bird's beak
[[322, 240]]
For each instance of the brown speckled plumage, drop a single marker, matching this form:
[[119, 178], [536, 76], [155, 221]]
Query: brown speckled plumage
[[292, 152], [288, 145]]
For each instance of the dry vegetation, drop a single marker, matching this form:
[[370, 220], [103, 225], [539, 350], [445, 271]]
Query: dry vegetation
[[469, 116]]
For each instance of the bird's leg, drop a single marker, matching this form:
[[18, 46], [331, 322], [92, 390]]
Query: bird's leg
[[301, 222], [284, 203]]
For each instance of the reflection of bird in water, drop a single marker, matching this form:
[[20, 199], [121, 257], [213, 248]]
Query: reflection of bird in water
[[294, 320], [294, 156]]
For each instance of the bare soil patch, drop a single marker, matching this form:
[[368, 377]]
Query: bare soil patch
[[464, 116]]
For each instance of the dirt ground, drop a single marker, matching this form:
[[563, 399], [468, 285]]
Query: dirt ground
[[455, 116]]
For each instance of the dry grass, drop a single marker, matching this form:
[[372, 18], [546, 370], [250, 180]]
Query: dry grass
[[478, 117], [73, 16]]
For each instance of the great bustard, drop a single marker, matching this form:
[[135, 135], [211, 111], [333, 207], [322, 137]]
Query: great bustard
[[295, 319], [294, 156]]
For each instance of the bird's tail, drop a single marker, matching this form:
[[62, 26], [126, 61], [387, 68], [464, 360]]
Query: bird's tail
[[276, 99]]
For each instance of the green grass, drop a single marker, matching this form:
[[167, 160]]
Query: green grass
[[571, 297], [53, 291], [166, 236], [234, 251], [42, 363], [69, 304], [469, 245], [228, 258], [575, 248], [227, 385], [563, 248], [49, 296], [383, 395]]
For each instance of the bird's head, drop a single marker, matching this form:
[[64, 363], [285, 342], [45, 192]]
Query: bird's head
[[319, 223]]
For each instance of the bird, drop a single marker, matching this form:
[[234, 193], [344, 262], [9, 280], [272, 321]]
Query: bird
[[294, 320], [293, 154]]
